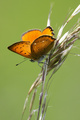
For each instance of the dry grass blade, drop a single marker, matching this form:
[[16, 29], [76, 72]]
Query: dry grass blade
[[43, 82], [30, 116], [56, 58], [32, 100]]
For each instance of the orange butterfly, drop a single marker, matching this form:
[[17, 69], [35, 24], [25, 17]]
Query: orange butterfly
[[35, 44]]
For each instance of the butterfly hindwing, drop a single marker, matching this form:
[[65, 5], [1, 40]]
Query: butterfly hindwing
[[42, 46], [48, 31]]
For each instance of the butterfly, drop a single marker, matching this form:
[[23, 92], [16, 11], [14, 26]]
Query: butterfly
[[35, 44]]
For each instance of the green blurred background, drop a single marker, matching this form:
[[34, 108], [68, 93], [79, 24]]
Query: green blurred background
[[16, 17]]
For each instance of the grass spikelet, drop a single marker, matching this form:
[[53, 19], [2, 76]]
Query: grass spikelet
[[55, 59]]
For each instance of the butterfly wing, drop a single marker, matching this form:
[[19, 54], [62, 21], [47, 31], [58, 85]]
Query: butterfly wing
[[42, 46], [22, 48], [48, 31], [31, 35], [34, 34]]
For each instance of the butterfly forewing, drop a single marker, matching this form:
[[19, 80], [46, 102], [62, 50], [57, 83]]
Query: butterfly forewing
[[42, 46], [31, 35], [22, 48]]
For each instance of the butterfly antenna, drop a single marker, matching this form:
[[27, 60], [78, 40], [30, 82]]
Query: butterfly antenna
[[21, 62]]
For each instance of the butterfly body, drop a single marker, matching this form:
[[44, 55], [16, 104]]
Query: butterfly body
[[35, 44]]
